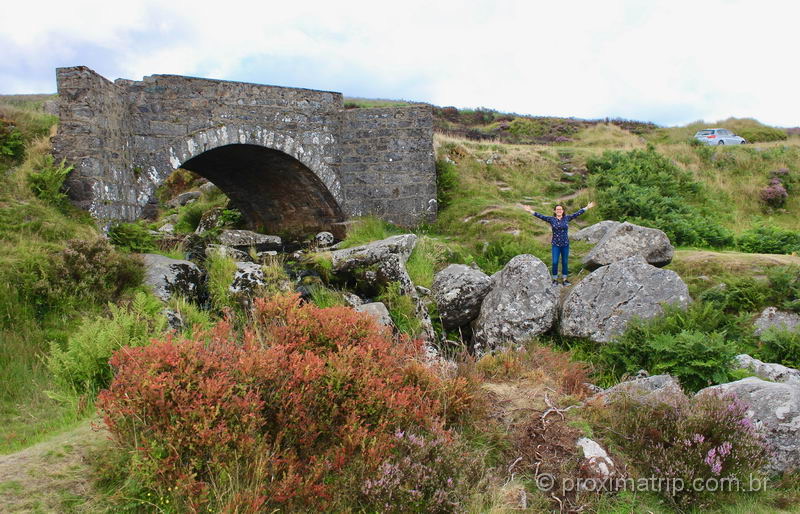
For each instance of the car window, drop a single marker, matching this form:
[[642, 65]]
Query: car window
[[725, 133], [705, 132]]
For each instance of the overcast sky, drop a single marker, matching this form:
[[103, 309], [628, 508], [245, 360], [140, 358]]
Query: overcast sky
[[670, 62]]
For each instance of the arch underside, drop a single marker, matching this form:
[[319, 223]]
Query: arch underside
[[273, 190]]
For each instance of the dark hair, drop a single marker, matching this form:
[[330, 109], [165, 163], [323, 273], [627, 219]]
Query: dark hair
[[559, 205]]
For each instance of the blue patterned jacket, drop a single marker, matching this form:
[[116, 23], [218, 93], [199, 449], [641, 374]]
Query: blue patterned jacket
[[560, 226]]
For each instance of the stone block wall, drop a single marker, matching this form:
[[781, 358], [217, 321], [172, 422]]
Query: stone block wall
[[387, 163], [125, 138]]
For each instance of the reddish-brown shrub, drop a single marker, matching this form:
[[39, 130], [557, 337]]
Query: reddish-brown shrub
[[320, 391]]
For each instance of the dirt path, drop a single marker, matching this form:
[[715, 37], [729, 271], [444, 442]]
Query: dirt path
[[52, 476]]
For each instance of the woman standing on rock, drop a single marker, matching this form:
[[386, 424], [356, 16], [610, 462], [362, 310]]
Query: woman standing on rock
[[560, 224]]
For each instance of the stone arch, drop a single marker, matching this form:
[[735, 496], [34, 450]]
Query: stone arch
[[279, 183]]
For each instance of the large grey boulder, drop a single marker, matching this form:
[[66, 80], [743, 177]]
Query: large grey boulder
[[245, 239], [378, 311], [601, 305], [521, 305], [774, 409], [374, 252], [323, 239], [458, 291], [168, 277], [768, 370], [594, 233], [627, 240], [773, 318]]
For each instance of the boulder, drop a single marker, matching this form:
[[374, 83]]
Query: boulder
[[166, 228], [773, 318], [209, 220], [373, 253], [627, 240], [183, 199], [594, 233], [521, 305], [168, 277], [227, 251], [245, 239], [601, 305], [247, 279], [378, 311], [767, 370], [458, 291], [323, 239], [774, 410], [655, 389]]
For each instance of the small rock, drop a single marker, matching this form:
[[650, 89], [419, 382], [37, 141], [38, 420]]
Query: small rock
[[323, 239], [207, 188], [771, 317], [227, 251], [658, 389], [174, 319], [768, 371], [183, 199], [247, 279], [378, 311], [423, 291], [209, 220], [352, 300], [246, 239], [167, 228], [596, 465]]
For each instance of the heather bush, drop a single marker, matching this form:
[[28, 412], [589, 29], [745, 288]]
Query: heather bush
[[774, 195], [82, 366], [769, 239], [425, 473], [786, 177], [646, 188], [762, 134], [704, 440], [301, 411]]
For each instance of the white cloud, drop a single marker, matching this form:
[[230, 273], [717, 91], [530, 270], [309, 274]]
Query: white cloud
[[676, 60]]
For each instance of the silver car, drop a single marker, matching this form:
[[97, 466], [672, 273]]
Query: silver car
[[719, 136]]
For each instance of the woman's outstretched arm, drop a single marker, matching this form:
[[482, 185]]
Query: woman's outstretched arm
[[580, 211], [528, 208]]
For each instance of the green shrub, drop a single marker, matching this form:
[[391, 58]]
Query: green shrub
[[367, 229], [446, 182], [401, 308], [82, 367], [784, 287], [323, 297], [47, 181], [646, 188], [769, 239], [132, 237], [690, 345], [189, 216], [781, 346], [12, 144], [220, 269], [762, 134]]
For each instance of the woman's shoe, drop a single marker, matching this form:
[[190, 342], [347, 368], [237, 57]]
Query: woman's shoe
[[566, 283]]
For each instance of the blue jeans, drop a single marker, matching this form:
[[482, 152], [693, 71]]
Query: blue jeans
[[563, 251]]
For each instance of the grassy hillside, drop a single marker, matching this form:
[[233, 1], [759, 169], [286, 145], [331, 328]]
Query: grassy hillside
[[67, 296]]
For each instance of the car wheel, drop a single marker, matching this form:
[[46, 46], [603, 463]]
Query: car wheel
[[743, 142], [721, 142]]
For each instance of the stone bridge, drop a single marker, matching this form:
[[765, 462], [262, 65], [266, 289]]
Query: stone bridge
[[289, 159]]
